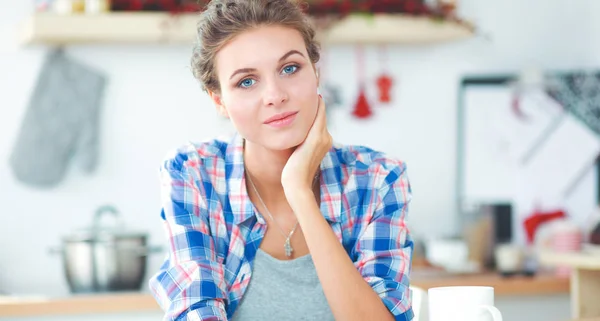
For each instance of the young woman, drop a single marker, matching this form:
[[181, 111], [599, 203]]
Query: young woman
[[276, 223]]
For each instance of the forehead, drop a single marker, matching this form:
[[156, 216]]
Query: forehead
[[258, 47]]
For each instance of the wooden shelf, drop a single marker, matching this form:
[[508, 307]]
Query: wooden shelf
[[394, 29], [163, 28], [134, 28], [581, 260]]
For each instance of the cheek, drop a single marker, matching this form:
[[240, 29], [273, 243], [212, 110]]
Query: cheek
[[306, 94], [241, 113]]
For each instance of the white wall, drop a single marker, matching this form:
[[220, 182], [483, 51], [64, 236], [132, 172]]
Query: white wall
[[153, 104]]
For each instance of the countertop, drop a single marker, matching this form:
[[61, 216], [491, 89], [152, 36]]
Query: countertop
[[77, 304], [133, 302], [541, 284]]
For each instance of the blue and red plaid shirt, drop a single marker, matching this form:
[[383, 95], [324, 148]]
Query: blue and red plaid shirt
[[213, 229]]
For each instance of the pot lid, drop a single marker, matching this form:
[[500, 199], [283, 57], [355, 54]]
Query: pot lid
[[102, 231]]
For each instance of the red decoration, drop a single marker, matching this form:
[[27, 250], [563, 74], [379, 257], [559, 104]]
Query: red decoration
[[384, 81], [414, 7], [362, 109], [534, 221], [173, 6], [324, 8], [384, 84]]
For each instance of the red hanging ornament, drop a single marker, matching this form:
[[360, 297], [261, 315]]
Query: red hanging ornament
[[384, 81], [362, 109], [384, 84]]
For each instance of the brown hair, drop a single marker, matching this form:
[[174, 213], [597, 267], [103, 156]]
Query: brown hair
[[224, 19]]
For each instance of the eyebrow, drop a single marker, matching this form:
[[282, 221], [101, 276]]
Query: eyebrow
[[284, 57]]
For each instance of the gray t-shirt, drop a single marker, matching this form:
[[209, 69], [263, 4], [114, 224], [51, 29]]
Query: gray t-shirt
[[283, 290]]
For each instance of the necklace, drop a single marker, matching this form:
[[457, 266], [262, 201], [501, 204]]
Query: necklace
[[287, 246]]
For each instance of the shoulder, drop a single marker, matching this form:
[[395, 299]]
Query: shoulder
[[194, 155], [369, 166]]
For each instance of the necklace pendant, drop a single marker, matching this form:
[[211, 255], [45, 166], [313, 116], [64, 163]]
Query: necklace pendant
[[288, 248]]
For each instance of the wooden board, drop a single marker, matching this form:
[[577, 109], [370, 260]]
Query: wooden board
[[585, 280], [163, 28], [585, 293], [577, 260], [398, 29], [159, 28]]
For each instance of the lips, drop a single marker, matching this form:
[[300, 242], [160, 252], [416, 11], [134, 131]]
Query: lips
[[280, 117]]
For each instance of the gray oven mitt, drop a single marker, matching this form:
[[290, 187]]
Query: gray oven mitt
[[61, 121]]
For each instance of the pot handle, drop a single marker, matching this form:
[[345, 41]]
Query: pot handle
[[101, 212]]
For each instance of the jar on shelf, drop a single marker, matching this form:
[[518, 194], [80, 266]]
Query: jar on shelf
[[43, 5], [68, 6], [447, 7], [97, 6]]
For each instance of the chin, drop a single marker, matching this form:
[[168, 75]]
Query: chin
[[283, 140]]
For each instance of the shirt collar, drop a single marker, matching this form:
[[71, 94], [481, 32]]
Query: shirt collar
[[241, 206]]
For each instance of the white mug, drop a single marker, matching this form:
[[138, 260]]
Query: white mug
[[509, 258], [446, 253], [462, 303]]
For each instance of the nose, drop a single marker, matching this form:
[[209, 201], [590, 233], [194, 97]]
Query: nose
[[274, 93]]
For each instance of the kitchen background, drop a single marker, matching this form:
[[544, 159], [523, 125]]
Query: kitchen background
[[152, 104]]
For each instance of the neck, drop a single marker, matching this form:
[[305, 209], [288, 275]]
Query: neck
[[265, 167]]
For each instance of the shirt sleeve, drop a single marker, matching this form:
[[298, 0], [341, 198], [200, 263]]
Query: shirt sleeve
[[384, 249], [190, 284]]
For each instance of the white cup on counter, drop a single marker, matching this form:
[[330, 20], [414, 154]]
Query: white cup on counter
[[451, 254], [509, 258], [462, 303]]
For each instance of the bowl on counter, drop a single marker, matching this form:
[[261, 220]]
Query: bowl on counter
[[105, 258]]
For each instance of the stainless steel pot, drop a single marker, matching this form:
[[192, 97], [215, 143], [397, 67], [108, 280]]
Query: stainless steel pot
[[105, 259]]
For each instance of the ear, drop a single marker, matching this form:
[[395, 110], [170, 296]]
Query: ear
[[216, 98], [318, 77], [317, 73]]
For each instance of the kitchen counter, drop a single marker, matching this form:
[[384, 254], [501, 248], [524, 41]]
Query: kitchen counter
[[542, 284], [77, 304], [143, 302]]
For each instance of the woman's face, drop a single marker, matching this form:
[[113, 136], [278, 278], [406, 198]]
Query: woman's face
[[268, 86]]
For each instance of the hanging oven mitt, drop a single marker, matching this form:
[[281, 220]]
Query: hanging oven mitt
[[61, 121]]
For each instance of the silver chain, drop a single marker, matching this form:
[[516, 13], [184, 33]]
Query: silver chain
[[287, 245]]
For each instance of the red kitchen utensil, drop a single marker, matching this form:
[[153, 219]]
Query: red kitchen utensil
[[385, 81], [362, 108]]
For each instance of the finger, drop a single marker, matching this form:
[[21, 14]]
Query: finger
[[321, 118], [315, 122], [318, 114]]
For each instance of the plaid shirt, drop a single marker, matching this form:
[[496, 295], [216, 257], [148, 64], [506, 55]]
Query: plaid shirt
[[213, 229]]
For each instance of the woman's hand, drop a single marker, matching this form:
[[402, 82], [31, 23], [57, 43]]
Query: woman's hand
[[300, 170]]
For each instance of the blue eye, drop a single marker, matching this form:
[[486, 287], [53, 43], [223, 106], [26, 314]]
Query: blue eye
[[290, 69], [246, 83]]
